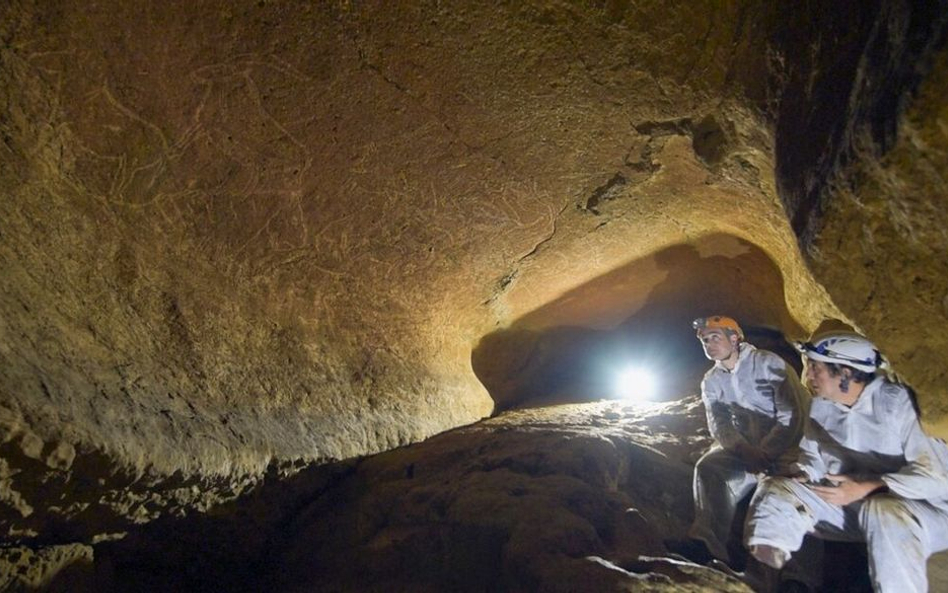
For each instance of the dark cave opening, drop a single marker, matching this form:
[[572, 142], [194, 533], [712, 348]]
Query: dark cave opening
[[572, 349]]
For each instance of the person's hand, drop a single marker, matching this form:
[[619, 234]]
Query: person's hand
[[846, 490]]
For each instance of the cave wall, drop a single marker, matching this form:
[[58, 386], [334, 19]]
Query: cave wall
[[862, 166], [240, 236]]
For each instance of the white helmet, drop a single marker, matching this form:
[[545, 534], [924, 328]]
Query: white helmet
[[847, 349]]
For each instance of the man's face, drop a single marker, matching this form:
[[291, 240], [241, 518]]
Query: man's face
[[717, 344], [820, 381]]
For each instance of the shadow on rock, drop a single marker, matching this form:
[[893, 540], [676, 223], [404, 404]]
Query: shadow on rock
[[539, 499], [572, 349]]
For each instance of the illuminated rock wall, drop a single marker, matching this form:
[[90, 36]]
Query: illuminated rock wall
[[246, 235]]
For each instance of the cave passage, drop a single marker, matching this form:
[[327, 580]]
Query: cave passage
[[573, 349]]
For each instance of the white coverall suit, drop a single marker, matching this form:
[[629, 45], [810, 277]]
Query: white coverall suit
[[760, 404], [879, 437]]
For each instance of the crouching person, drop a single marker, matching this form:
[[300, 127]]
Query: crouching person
[[756, 411], [866, 472]]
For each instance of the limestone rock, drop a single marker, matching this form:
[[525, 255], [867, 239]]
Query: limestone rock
[[240, 238], [534, 499], [25, 569]]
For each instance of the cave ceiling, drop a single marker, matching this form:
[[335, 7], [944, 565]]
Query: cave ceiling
[[240, 234]]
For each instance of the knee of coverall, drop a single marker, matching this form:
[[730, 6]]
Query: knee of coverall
[[885, 512], [776, 486], [719, 466], [777, 496], [718, 461]]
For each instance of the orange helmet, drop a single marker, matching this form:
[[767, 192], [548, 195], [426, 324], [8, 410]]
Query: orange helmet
[[728, 324]]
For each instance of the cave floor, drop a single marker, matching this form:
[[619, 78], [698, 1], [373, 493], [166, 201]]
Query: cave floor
[[577, 497]]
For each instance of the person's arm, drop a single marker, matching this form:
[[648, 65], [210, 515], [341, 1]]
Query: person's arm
[[809, 462], [925, 473], [720, 420], [791, 410]]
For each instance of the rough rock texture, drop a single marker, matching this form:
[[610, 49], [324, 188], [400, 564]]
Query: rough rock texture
[[66, 568], [569, 498], [241, 237], [548, 487], [579, 497], [866, 183], [891, 213]]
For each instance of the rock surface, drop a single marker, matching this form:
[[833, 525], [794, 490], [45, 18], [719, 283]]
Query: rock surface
[[239, 238], [866, 182], [50, 569], [567, 498], [574, 497]]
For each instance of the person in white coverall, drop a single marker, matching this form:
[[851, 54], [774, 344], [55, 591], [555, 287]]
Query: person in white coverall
[[867, 472], [756, 412]]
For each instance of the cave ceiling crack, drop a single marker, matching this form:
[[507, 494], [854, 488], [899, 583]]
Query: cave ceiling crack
[[609, 190], [633, 173], [507, 280], [546, 239]]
